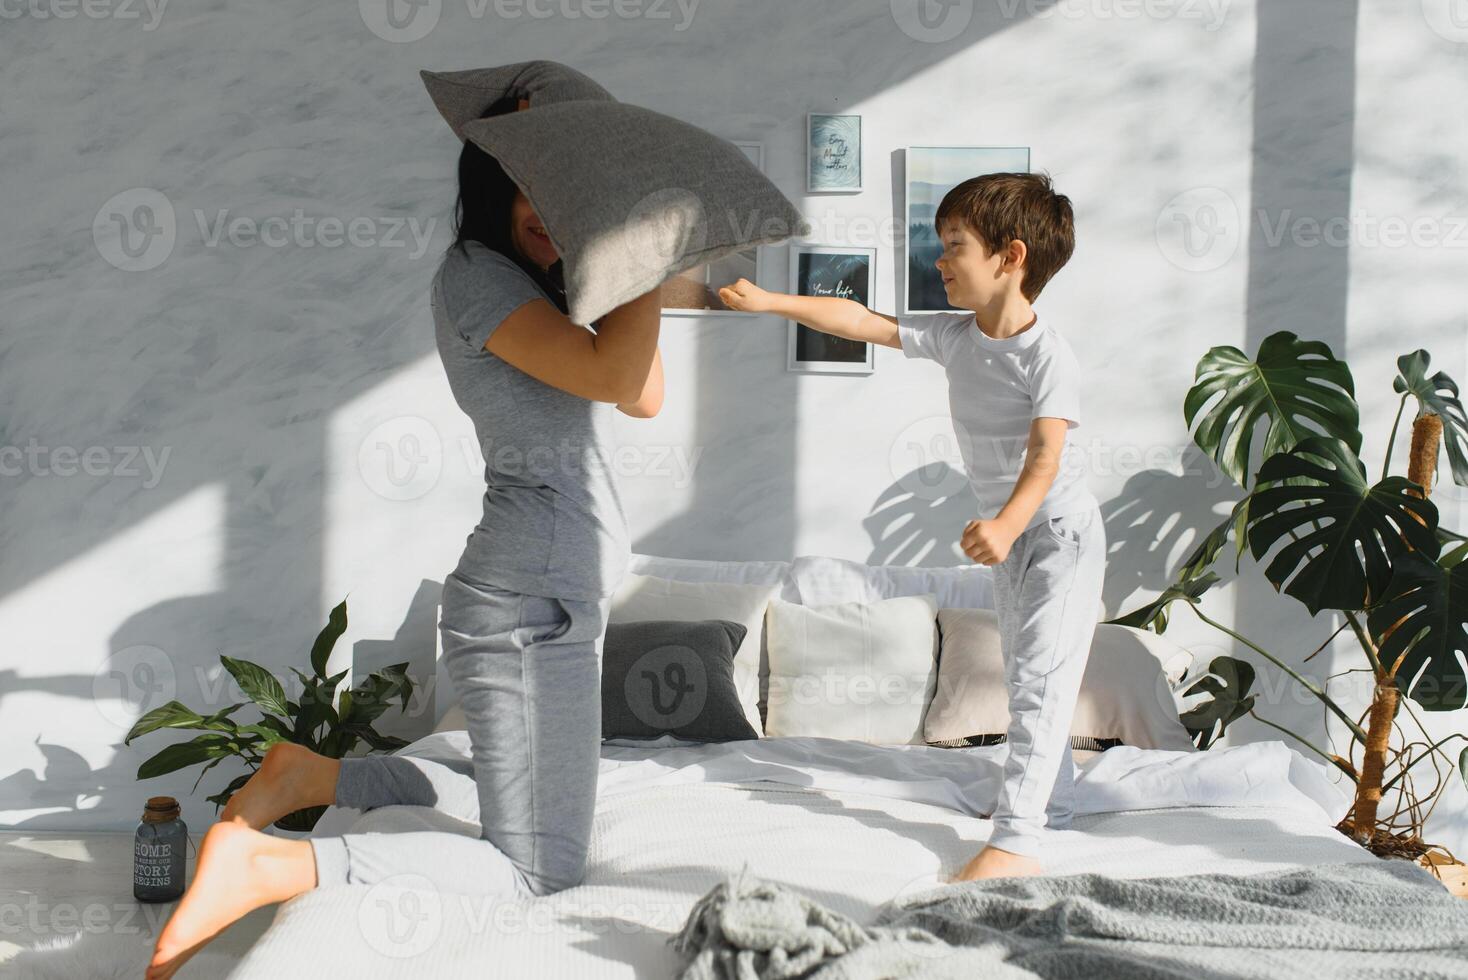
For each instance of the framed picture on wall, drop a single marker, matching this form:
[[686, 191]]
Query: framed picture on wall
[[695, 291], [933, 171], [847, 273], [832, 152]]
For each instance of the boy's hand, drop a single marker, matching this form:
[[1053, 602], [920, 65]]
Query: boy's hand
[[987, 542], [746, 297]]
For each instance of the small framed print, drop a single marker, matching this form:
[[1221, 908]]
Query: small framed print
[[832, 152], [825, 270], [695, 291]]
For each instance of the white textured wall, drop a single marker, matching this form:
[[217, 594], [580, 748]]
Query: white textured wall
[[304, 443]]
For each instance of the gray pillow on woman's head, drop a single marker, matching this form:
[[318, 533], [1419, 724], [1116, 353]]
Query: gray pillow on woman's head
[[463, 96], [661, 677], [629, 197]]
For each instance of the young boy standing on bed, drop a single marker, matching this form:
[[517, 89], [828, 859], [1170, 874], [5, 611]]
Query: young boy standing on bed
[[1013, 389]]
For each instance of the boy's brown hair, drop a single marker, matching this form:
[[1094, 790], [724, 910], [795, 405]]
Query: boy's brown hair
[[999, 208]]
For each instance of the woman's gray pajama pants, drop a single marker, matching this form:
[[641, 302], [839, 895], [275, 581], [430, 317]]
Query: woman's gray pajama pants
[[527, 670]]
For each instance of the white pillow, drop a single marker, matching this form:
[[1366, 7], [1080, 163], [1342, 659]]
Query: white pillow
[[862, 671], [643, 597], [1124, 691], [821, 581]]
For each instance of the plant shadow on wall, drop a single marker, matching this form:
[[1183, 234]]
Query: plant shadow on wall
[[1330, 536], [919, 519]]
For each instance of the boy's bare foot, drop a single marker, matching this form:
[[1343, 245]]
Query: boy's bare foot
[[992, 862], [290, 777], [239, 870]]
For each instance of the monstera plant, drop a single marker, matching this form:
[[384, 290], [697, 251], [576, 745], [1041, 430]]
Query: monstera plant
[[320, 720], [1328, 535]]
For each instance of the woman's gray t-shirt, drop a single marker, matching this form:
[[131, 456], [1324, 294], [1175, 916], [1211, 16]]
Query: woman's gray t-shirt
[[553, 523]]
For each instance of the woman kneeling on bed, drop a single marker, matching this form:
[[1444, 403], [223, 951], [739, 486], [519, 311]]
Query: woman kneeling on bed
[[524, 611]]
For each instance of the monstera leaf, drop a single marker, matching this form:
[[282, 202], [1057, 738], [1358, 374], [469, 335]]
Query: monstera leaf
[[1437, 394], [1227, 685], [1203, 556], [1154, 614], [1345, 533], [1424, 615], [1297, 386]]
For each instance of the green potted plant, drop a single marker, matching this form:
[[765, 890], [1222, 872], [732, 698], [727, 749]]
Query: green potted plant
[[318, 720], [1336, 541]]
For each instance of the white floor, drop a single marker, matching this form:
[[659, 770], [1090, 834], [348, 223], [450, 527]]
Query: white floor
[[77, 888]]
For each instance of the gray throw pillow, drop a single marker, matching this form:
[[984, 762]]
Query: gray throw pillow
[[629, 197], [660, 677], [463, 96]]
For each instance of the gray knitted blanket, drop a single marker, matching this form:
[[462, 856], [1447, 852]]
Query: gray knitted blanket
[[1382, 919]]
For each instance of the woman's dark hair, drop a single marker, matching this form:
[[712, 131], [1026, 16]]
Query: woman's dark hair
[[482, 211]]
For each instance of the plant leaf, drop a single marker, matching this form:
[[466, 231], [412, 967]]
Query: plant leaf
[[268, 733], [171, 715], [1423, 621], [1345, 533], [1228, 680], [368, 734], [1154, 614], [336, 625], [222, 797], [371, 698], [1203, 556], [1437, 394], [258, 684], [1297, 386], [181, 754]]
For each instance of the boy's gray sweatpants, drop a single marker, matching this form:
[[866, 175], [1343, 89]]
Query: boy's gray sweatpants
[[1047, 593], [527, 670]]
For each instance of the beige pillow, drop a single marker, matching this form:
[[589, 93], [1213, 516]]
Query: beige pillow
[[855, 670], [644, 597], [1124, 692]]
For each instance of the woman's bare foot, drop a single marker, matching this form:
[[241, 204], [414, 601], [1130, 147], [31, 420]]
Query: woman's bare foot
[[290, 777], [993, 862], [239, 870]]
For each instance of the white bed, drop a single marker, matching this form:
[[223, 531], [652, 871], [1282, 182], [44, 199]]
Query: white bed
[[847, 823]]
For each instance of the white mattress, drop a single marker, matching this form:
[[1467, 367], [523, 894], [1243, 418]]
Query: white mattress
[[850, 825]]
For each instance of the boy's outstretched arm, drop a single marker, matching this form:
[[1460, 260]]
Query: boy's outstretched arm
[[828, 314], [988, 541]]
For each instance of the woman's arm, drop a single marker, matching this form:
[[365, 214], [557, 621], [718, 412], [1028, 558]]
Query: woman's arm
[[611, 365], [650, 402]]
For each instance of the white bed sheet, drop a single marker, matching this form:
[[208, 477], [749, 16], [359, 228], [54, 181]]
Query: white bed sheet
[[848, 824]]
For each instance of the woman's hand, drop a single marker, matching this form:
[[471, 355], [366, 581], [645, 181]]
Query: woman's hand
[[746, 297]]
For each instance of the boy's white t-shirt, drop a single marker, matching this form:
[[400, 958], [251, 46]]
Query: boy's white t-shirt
[[995, 389]]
